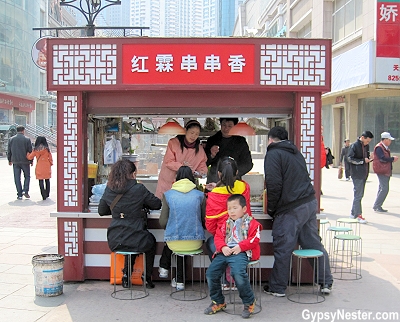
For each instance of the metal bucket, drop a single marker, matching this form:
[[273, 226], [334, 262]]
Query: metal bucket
[[48, 274]]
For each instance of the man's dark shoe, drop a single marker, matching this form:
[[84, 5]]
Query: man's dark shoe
[[380, 210], [149, 284], [273, 293], [326, 289], [26, 195]]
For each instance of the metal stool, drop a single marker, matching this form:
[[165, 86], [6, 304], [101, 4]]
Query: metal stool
[[322, 231], [133, 292], [334, 230], [254, 273], [350, 222], [300, 295], [194, 292], [346, 257]]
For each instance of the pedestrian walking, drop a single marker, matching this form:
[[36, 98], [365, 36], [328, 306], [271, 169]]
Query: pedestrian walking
[[18, 146], [359, 159], [44, 161], [293, 207], [383, 166], [343, 159]]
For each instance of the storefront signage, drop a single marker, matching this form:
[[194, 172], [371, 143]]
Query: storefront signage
[[388, 42], [8, 102], [340, 99], [188, 64]]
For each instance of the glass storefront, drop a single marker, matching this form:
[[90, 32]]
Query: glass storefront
[[380, 114]]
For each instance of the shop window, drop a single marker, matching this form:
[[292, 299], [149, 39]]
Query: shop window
[[378, 115]]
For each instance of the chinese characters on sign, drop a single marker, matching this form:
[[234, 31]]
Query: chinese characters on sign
[[188, 64], [388, 42], [388, 29]]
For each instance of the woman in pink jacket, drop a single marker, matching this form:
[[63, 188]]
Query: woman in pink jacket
[[182, 150], [44, 161]]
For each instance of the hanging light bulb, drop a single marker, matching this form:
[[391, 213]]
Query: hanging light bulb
[[172, 127], [242, 129]]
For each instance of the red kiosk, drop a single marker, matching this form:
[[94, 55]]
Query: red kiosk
[[173, 76]]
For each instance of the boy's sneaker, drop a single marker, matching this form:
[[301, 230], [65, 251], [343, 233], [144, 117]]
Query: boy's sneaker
[[361, 219], [19, 198], [214, 308], [248, 310], [326, 289], [162, 272], [271, 292]]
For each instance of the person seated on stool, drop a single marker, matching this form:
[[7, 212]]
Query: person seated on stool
[[237, 242], [182, 216], [128, 228]]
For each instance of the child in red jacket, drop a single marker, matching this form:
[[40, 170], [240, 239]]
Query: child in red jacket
[[237, 242]]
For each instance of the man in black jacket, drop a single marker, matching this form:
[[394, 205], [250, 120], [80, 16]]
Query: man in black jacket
[[222, 145], [292, 204], [18, 146], [359, 159]]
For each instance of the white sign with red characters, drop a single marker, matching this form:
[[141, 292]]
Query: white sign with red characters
[[201, 64]]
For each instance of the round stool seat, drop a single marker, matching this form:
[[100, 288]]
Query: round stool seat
[[303, 294], [340, 229], [192, 252], [347, 237], [324, 221], [348, 220], [307, 253]]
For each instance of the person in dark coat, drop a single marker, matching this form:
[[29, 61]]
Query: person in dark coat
[[221, 144], [128, 228], [343, 159], [359, 159], [293, 207], [18, 146]]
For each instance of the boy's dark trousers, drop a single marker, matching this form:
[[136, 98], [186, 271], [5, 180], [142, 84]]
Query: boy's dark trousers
[[238, 264]]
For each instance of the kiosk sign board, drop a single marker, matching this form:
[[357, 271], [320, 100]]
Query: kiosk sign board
[[388, 42], [187, 64]]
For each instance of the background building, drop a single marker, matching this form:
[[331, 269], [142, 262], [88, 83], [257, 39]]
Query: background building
[[19, 86], [366, 58]]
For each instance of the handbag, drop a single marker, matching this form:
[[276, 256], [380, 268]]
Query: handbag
[[340, 173]]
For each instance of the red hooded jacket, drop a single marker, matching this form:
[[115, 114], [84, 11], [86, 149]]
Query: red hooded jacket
[[216, 205]]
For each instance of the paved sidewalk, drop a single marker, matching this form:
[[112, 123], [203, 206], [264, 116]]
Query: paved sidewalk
[[26, 229]]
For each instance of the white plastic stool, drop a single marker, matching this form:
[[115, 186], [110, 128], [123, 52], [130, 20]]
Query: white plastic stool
[[300, 295], [191, 292], [133, 292], [254, 273]]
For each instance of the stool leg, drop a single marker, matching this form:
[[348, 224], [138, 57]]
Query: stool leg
[[115, 272]]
